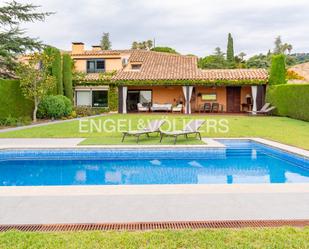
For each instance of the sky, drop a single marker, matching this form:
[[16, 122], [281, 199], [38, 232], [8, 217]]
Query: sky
[[190, 26]]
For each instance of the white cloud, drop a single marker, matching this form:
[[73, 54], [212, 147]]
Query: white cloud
[[194, 26]]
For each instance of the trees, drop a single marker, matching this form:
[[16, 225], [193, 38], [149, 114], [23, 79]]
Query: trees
[[142, 45], [282, 48], [277, 70], [67, 76], [165, 49], [230, 49], [55, 68], [258, 61], [215, 61], [35, 79], [13, 40], [105, 42]]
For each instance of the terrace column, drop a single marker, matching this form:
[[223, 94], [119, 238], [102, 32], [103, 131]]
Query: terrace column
[[124, 99], [254, 95], [187, 92]]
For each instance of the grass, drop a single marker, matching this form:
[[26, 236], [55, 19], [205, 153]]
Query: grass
[[217, 238], [281, 129]]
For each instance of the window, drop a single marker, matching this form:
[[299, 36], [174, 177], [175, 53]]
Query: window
[[99, 99], [94, 98], [95, 66], [136, 66], [145, 97], [209, 96], [83, 98]]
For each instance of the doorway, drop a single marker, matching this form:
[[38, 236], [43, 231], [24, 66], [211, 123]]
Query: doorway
[[233, 99], [138, 96]]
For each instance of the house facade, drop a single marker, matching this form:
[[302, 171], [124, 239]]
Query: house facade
[[160, 81]]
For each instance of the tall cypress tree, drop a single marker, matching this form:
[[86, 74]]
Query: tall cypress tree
[[67, 76], [56, 68], [277, 70], [230, 49]]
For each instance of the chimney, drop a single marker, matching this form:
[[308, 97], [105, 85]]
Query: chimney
[[96, 48], [77, 47]]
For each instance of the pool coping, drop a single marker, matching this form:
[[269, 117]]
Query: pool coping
[[73, 143], [155, 189]]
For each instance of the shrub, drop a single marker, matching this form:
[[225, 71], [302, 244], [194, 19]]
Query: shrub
[[12, 101], [291, 100], [13, 121], [277, 71], [292, 75], [83, 111], [57, 106], [165, 50], [67, 76]]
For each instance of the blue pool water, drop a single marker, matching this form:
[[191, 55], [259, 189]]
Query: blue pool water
[[240, 162]]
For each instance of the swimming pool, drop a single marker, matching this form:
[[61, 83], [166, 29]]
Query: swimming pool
[[242, 161]]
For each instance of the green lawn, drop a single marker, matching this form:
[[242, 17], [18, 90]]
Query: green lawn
[[281, 129], [217, 238]]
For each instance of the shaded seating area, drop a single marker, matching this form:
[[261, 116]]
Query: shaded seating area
[[153, 127], [191, 128]]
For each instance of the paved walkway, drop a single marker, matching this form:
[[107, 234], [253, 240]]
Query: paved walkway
[[153, 203], [49, 123], [28, 143]]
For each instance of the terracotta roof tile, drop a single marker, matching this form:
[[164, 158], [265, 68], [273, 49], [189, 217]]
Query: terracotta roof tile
[[165, 66]]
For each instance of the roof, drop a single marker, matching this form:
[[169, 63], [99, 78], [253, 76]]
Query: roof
[[233, 74], [302, 70], [158, 65], [101, 52], [166, 66]]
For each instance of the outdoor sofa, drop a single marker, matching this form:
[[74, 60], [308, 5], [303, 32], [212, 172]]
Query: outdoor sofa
[[161, 107]]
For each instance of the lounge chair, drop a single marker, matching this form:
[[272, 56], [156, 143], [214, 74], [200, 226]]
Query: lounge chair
[[268, 110], [265, 106], [153, 127], [191, 128], [142, 108], [177, 108]]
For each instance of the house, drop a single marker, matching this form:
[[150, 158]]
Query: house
[[149, 78]]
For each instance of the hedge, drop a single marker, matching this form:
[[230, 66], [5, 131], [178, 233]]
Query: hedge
[[12, 101], [290, 100]]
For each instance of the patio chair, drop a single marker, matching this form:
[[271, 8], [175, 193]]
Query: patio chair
[[265, 106], [142, 108], [153, 127], [206, 107], [177, 108], [191, 128], [215, 107]]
